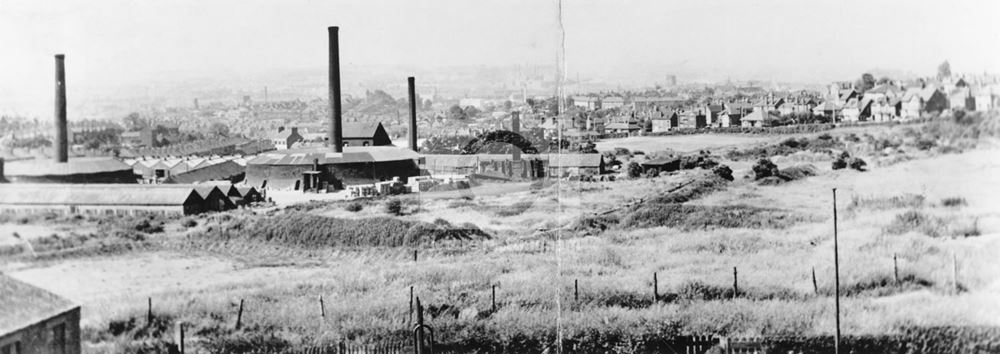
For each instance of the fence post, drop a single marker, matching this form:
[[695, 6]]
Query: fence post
[[149, 311], [576, 290], [418, 338], [736, 289], [494, 298], [239, 316], [180, 337], [895, 269], [414, 255], [954, 271], [656, 289], [322, 309], [410, 314], [815, 285]]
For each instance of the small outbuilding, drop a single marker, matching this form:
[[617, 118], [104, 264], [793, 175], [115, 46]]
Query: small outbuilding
[[33, 320]]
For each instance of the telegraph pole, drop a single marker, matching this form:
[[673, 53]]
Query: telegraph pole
[[836, 273]]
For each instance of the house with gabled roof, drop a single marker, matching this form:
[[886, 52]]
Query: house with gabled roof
[[33, 320]]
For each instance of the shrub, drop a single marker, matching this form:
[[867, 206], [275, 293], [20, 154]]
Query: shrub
[[147, 227], [394, 207], [857, 164], [765, 168], [913, 220], [926, 144], [723, 171], [839, 164], [954, 202], [882, 203], [353, 207], [825, 136], [189, 222], [634, 170]]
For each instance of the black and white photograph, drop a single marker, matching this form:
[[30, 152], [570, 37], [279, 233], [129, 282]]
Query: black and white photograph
[[499, 176]]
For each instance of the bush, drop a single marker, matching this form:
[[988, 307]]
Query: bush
[[857, 164], [954, 202], [634, 170], [926, 144], [394, 207], [765, 168], [353, 207], [723, 171], [839, 164], [189, 222]]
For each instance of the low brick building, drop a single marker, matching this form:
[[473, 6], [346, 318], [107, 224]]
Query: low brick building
[[33, 320]]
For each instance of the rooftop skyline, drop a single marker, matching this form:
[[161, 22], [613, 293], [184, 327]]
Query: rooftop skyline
[[115, 43]]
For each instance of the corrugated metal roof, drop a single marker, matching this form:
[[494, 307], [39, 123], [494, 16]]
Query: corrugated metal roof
[[351, 154], [97, 194], [72, 167], [24, 304], [214, 172]]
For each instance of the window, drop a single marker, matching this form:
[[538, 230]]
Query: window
[[59, 338], [12, 348]]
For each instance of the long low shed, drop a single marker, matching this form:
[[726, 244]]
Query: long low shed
[[103, 199]]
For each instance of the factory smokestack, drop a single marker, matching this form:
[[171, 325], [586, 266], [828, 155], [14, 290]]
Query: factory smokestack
[[515, 126], [61, 153], [336, 134], [413, 114]]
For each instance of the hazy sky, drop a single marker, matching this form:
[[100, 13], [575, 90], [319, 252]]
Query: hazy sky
[[118, 42]]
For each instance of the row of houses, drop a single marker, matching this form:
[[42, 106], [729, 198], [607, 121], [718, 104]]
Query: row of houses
[[225, 146], [124, 199]]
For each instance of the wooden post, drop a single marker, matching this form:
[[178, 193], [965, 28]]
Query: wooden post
[[736, 288], [954, 271], [494, 298], [322, 309], [576, 290], [656, 290], [180, 337], [414, 255], [410, 315], [419, 336], [895, 269], [149, 311], [815, 285], [836, 274], [239, 316]]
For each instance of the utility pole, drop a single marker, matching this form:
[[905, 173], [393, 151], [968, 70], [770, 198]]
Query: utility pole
[[836, 273]]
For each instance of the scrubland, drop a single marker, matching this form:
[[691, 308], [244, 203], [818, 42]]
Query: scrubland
[[929, 200]]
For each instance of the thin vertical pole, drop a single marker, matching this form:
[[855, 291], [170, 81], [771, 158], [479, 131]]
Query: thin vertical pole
[[322, 309], [410, 315], [954, 271], [494, 298], [419, 336], [239, 316], [736, 288], [149, 311], [895, 269], [576, 290], [414, 255], [180, 339], [836, 273], [815, 285], [656, 290]]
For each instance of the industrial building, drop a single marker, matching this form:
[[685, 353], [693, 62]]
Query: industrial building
[[33, 320], [113, 199], [343, 162], [62, 169]]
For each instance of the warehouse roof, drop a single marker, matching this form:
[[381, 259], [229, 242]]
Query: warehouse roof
[[25, 305], [98, 194], [72, 167], [351, 154]]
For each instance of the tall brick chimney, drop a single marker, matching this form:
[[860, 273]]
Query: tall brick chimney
[[413, 114], [336, 132], [515, 126], [61, 153]]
